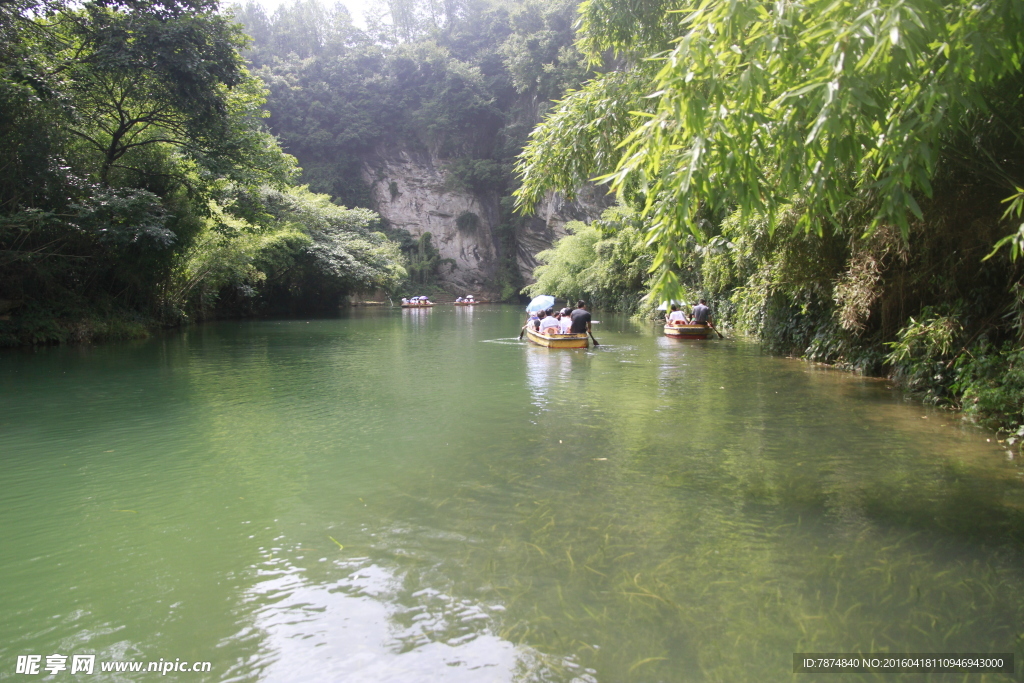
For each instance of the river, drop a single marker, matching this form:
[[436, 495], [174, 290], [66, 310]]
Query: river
[[418, 496]]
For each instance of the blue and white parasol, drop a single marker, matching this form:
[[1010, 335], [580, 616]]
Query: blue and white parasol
[[541, 303]]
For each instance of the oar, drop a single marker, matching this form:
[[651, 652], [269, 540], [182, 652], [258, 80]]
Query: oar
[[592, 337], [715, 331], [522, 331]]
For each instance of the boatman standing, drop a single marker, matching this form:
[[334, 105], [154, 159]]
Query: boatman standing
[[580, 319], [701, 314]]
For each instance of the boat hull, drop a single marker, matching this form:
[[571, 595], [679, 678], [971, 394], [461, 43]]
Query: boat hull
[[558, 341], [687, 331], [417, 305]]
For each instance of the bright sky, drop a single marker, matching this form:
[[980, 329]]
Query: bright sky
[[357, 8]]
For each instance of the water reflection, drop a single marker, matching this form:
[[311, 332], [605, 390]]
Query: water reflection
[[546, 370], [369, 626], [417, 317]]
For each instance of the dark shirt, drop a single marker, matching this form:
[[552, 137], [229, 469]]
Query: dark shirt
[[701, 314], [580, 318]]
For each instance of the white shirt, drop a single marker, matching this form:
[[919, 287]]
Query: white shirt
[[564, 324], [677, 315], [548, 322]]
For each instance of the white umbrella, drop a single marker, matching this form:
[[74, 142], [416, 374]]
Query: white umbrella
[[540, 303], [665, 305]]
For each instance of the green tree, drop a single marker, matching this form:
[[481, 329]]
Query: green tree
[[606, 262], [845, 106], [149, 80], [307, 254], [125, 125]]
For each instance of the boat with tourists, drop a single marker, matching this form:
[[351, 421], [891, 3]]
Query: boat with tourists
[[417, 302], [687, 331], [557, 341]]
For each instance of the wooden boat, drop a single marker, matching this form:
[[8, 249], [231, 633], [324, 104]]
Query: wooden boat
[[687, 331], [418, 305], [558, 341], [465, 303]]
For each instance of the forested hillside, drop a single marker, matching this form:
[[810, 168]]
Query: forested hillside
[[842, 180], [461, 83], [139, 186], [148, 150]]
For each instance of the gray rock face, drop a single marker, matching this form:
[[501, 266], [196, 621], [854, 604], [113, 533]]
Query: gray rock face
[[547, 224], [411, 192]]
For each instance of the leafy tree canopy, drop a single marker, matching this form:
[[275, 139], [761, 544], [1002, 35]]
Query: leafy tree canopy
[[132, 134], [847, 106]]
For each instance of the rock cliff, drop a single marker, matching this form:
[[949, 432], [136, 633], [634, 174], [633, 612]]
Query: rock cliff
[[548, 223], [412, 192]]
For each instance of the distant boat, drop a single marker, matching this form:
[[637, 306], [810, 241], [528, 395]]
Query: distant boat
[[557, 341], [687, 331], [418, 304]]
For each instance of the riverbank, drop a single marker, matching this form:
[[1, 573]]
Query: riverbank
[[42, 329]]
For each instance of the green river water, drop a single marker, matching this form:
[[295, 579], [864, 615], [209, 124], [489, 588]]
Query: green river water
[[417, 496]]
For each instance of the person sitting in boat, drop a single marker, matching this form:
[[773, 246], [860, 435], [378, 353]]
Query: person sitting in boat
[[564, 321], [459, 300], [533, 321], [677, 317], [549, 325], [701, 314]]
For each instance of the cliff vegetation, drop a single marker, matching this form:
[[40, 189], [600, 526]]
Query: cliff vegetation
[[459, 83]]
